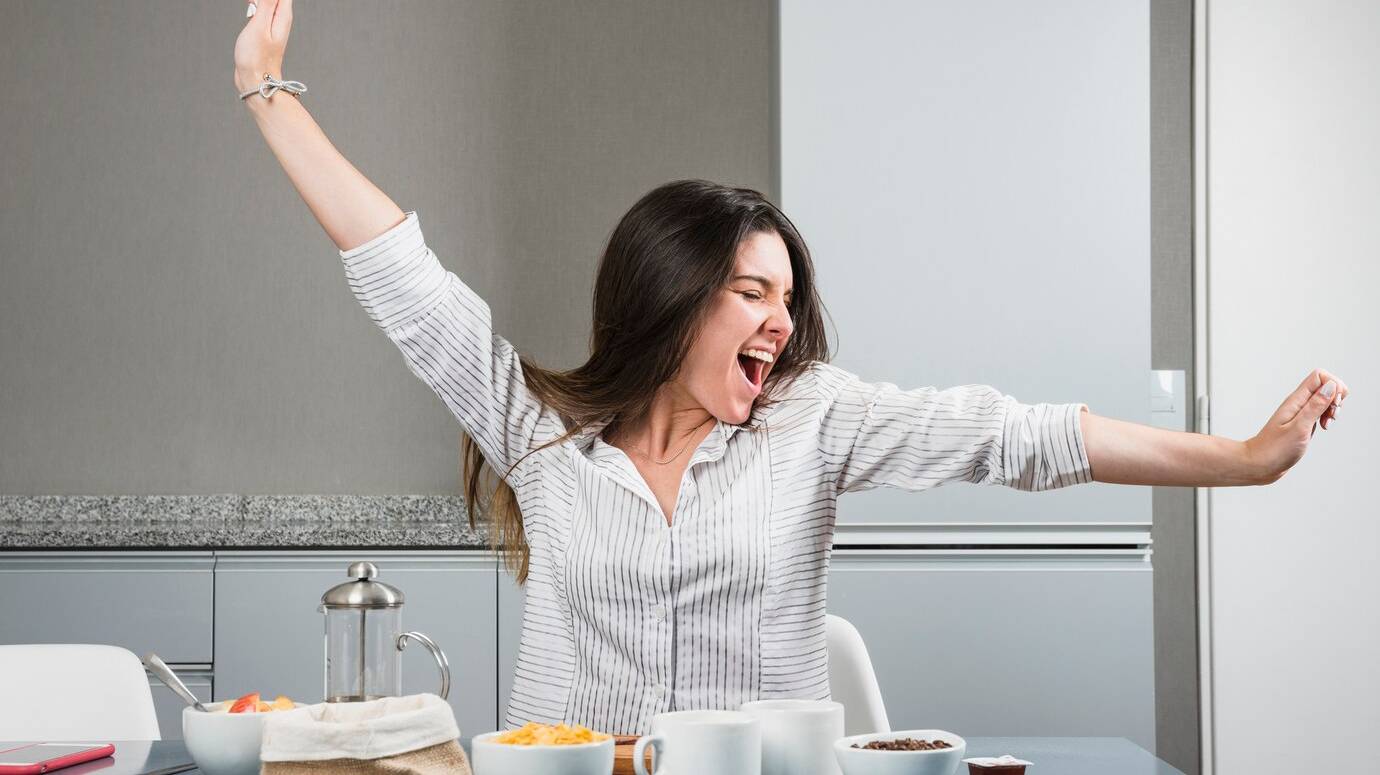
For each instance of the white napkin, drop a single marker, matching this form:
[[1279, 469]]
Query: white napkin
[[1000, 761], [357, 730]]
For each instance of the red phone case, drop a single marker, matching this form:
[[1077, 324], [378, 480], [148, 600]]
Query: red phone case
[[96, 752]]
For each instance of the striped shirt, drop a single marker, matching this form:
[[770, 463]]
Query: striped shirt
[[626, 616]]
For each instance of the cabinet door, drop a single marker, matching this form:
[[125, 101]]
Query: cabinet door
[[269, 634], [168, 706], [142, 601], [1004, 646]]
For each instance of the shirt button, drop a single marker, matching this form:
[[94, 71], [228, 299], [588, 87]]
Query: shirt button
[[659, 612], [658, 691]]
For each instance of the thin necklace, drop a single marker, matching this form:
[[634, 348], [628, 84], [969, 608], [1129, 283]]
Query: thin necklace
[[645, 456]]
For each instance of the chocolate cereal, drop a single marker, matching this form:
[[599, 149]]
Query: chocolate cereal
[[904, 744]]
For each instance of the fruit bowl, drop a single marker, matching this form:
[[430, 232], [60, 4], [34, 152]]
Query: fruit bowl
[[222, 742]]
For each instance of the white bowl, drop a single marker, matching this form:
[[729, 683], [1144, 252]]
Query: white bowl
[[863, 761], [223, 743], [490, 758]]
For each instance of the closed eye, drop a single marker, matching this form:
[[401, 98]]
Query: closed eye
[[755, 296]]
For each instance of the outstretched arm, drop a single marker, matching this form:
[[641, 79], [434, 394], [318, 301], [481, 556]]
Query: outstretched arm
[[349, 206], [1128, 453]]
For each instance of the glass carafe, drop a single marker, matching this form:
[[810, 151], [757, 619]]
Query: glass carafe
[[365, 640]]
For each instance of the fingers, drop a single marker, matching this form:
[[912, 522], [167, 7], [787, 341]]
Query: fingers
[[1342, 389], [1318, 404], [1296, 404], [282, 18], [260, 12], [1329, 414], [1296, 400]]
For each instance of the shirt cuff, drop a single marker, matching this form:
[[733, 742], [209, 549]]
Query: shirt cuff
[[1064, 429], [395, 276]]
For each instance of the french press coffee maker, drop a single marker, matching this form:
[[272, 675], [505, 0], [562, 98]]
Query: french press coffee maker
[[365, 641]]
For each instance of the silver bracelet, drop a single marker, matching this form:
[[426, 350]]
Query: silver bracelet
[[271, 85]]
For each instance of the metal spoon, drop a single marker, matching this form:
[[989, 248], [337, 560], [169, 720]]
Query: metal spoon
[[165, 674]]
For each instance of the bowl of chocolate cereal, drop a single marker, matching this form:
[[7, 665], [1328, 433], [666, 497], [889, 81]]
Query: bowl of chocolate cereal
[[908, 752]]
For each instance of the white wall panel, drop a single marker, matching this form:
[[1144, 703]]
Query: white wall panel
[[1293, 185], [974, 181]]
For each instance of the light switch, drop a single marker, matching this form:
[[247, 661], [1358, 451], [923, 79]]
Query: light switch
[[1167, 399]]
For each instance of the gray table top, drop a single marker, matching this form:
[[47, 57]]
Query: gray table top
[[1049, 755]]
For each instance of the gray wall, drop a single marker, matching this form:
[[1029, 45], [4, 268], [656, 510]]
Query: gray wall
[[173, 320]]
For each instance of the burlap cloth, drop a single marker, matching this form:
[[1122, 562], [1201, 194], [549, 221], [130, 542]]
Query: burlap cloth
[[414, 735]]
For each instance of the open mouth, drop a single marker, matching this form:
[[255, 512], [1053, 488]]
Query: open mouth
[[753, 371]]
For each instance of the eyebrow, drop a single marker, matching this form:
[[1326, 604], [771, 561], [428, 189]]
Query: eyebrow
[[768, 284]]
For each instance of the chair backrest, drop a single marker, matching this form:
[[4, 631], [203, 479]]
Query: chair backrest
[[851, 679], [61, 691]]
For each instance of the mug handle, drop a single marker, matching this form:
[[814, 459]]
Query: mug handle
[[639, 754], [436, 653]]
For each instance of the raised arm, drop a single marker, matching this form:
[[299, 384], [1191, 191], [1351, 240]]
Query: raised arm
[[442, 327], [1130, 453], [350, 208]]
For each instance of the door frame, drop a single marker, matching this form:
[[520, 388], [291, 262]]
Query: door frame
[[1202, 377]]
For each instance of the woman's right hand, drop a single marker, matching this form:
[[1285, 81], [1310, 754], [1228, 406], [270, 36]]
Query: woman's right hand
[[261, 44]]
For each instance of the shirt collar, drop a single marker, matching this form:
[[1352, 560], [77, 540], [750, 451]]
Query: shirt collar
[[711, 448]]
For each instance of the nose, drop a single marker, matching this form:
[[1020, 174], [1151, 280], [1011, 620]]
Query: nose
[[779, 325]]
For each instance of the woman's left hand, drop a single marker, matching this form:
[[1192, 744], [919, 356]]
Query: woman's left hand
[[1284, 439]]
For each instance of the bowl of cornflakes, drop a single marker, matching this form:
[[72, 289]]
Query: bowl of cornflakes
[[226, 740], [551, 749]]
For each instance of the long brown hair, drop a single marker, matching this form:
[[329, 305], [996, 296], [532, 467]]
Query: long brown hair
[[664, 264]]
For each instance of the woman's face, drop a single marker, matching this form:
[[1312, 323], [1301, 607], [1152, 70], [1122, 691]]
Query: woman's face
[[752, 313]]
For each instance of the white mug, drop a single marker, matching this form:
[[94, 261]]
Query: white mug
[[798, 735], [689, 742]]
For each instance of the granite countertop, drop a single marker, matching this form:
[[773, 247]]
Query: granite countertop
[[236, 522]]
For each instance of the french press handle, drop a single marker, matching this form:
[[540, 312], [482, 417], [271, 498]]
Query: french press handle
[[436, 654]]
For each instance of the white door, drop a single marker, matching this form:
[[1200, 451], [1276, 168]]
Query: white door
[[1292, 238]]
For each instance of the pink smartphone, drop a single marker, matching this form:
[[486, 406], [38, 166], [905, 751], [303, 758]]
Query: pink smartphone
[[34, 758]]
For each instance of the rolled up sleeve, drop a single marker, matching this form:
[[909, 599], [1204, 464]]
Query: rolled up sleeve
[[878, 435], [445, 333]]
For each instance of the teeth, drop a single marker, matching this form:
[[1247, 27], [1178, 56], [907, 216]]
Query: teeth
[[761, 355]]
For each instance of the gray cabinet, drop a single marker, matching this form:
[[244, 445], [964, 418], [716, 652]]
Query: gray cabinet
[[143, 601], [1006, 642], [269, 635], [997, 641]]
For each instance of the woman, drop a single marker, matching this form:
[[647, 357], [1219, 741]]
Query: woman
[[670, 503]]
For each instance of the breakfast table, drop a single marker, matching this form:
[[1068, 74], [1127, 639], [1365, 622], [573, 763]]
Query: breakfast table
[[1049, 756]]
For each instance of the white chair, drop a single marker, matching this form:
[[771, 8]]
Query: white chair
[[851, 679], [57, 692]]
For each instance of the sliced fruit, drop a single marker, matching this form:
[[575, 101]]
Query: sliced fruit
[[283, 703], [246, 704]]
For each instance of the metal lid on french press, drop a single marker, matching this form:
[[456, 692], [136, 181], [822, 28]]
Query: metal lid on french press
[[362, 591]]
